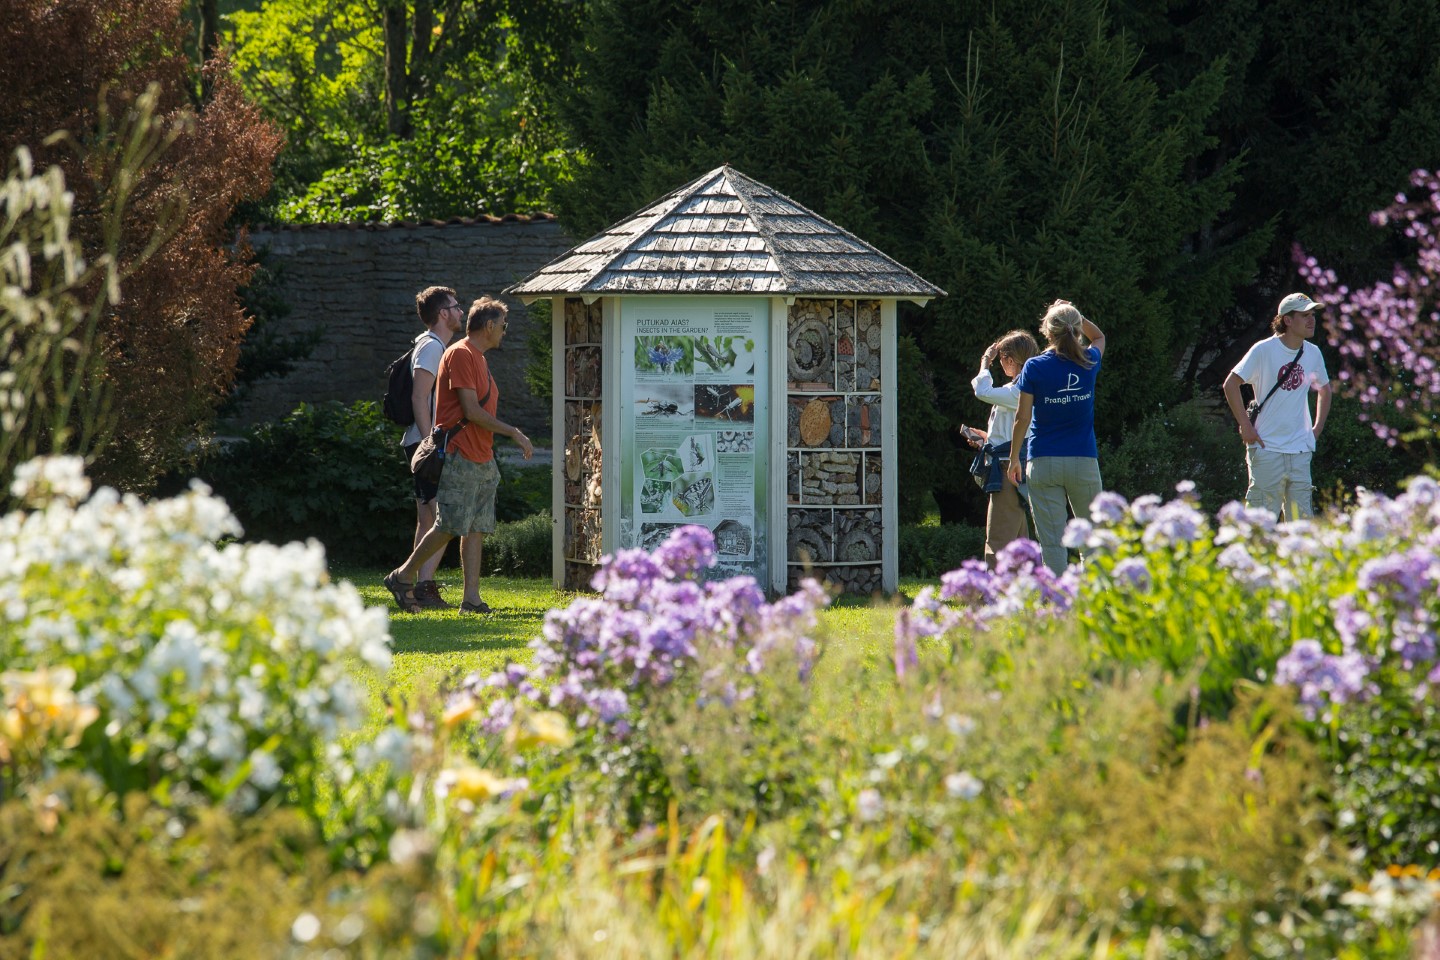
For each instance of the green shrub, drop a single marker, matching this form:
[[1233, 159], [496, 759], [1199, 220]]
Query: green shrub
[[327, 471], [1183, 442], [524, 492], [1388, 784], [338, 474], [520, 548], [931, 551]]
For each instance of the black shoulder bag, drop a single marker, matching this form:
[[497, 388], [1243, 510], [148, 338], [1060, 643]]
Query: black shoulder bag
[[1255, 406], [429, 460]]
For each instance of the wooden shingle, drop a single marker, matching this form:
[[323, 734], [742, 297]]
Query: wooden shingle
[[725, 233]]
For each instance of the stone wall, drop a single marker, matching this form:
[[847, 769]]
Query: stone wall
[[356, 284]]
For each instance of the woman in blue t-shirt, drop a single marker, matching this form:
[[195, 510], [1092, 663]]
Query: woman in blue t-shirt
[[1057, 389]]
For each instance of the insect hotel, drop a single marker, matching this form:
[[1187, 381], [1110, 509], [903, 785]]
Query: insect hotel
[[726, 357]]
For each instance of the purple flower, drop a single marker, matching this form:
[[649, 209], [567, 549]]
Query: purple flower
[[687, 551], [603, 657], [907, 656], [608, 705], [925, 617], [1077, 533], [1405, 577], [1351, 623], [1239, 522], [1143, 507], [1017, 556], [1388, 326], [1370, 522], [1133, 572], [1413, 641], [1108, 508], [1174, 523], [1323, 679], [971, 583], [1236, 558]]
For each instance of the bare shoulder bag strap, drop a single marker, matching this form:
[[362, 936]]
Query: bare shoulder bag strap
[[1280, 378]]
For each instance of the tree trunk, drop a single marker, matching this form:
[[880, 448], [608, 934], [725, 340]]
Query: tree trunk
[[397, 119], [422, 43], [209, 25]]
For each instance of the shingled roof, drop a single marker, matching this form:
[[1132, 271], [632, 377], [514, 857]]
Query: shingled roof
[[725, 233]]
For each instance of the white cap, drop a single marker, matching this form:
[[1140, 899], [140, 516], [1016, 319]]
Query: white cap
[[1296, 303]]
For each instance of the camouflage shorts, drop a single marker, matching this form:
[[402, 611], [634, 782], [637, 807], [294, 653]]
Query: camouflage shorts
[[466, 501]]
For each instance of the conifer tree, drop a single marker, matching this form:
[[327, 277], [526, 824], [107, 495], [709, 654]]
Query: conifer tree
[[1011, 152]]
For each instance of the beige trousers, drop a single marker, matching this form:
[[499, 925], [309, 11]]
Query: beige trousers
[[1279, 481], [1005, 520]]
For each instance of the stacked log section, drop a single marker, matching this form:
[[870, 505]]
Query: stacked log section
[[834, 418], [858, 535], [811, 536], [810, 342], [846, 579], [584, 455]]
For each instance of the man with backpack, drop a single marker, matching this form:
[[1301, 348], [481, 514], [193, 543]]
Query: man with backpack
[[1277, 428], [443, 316], [467, 404]]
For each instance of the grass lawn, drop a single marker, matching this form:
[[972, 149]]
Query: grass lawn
[[432, 645]]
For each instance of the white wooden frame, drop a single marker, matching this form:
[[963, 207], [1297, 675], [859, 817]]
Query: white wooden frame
[[558, 439]]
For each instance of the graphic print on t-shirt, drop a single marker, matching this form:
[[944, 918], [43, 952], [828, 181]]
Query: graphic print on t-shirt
[[1292, 376]]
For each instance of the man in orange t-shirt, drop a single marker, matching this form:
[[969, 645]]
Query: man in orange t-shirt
[[466, 395]]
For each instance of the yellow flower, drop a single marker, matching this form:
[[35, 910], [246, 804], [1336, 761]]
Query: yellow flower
[[546, 727], [39, 705], [474, 784], [459, 712]]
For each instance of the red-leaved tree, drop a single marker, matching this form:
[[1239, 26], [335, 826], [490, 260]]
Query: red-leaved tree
[[171, 344], [1388, 334]]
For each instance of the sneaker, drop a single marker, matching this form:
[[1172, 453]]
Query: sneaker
[[427, 592]]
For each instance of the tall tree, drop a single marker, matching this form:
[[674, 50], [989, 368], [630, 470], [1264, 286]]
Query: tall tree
[[402, 109], [1330, 105], [1011, 152], [171, 342]]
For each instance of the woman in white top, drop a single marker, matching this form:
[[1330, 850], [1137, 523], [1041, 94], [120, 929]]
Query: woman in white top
[[1005, 518]]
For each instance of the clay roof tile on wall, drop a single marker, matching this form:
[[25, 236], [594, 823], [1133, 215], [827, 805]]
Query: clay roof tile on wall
[[481, 220]]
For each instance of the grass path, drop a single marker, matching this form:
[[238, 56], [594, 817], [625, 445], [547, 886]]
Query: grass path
[[436, 644]]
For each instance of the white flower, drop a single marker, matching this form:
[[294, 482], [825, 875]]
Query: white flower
[[963, 785], [305, 928], [195, 653], [886, 761], [869, 805], [960, 724], [46, 478], [265, 772], [391, 746]]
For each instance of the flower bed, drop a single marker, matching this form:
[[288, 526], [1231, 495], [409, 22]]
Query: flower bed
[[1212, 740]]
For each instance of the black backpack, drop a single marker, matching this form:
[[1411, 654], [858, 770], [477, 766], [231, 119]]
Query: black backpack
[[399, 382]]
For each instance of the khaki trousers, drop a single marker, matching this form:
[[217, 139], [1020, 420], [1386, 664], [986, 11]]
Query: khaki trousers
[[1005, 520], [1279, 481]]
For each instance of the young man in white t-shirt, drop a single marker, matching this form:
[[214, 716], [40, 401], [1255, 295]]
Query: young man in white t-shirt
[[443, 317], [1281, 441]]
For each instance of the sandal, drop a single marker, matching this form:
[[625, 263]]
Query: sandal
[[481, 607], [404, 593]]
